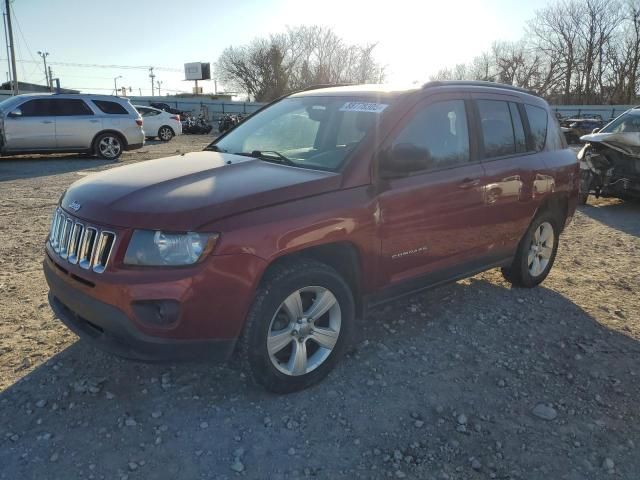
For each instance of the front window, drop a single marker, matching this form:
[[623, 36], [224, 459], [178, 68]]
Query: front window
[[625, 123], [310, 132]]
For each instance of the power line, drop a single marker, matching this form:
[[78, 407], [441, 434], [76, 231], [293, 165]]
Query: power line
[[99, 65]]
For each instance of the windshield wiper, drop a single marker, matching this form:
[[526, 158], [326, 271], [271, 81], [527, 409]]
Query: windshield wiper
[[270, 156], [214, 148]]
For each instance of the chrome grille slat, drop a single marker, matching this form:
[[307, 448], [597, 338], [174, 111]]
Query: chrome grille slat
[[65, 237], [74, 242], [81, 244], [88, 247]]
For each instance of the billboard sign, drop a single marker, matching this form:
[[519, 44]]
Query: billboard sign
[[197, 71]]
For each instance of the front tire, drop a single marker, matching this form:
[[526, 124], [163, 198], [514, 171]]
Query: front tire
[[536, 252], [298, 326], [165, 133]]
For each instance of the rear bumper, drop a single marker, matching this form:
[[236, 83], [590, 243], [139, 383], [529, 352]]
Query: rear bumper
[[134, 146], [111, 330]]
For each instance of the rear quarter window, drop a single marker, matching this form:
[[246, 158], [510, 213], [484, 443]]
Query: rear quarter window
[[538, 122], [111, 108]]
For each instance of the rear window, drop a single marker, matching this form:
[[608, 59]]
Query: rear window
[[538, 120], [111, 108]]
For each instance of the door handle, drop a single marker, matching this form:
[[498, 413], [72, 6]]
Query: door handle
[[469, 183], [94, 121], [47, 121]]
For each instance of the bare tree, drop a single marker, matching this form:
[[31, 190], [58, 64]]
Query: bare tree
[[270, 67]]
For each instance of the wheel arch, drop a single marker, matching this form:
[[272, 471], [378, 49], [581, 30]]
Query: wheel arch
[[558, 203], [168, 126], [342, 256]]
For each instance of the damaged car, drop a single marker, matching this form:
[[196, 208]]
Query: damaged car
[[575, 127], [610, 159]]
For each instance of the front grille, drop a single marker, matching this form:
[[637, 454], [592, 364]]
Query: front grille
[[80, 244]]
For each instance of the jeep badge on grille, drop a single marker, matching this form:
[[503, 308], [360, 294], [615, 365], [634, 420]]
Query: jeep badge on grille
[[75, 205]]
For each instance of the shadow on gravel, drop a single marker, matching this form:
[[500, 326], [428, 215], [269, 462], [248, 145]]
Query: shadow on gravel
[[432, 382], [623, 216], [42, 166]]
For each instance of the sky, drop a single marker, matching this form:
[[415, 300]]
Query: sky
[[414, 38]]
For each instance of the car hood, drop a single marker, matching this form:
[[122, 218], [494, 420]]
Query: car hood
[[184, 192], [627, 143]]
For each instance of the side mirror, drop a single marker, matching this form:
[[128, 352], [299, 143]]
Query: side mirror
[[595, 130], [403, 159], [15, 113]]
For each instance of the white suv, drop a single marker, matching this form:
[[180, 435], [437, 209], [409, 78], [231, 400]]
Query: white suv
[[57, 123]]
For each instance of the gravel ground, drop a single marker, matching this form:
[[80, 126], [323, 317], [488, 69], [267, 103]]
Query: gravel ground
[[473, 380]]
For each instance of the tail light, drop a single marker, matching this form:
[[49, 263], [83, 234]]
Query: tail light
[[139, 122], [175, 117]]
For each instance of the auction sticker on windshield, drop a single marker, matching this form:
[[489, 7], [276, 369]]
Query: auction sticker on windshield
[[363, 107]]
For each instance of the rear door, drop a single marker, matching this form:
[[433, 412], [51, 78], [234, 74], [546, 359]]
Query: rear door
[[34, 129], [511, 166], [151, 121], [431, 220], [76, 124]]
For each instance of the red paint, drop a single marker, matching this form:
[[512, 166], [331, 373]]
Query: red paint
[[444, 219]]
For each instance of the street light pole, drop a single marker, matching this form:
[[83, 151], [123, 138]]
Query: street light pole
[[115, 85], [159, 86], [12, 51], [44, 56]]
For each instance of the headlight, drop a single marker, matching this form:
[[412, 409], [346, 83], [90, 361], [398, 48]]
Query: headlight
[[157, 248]]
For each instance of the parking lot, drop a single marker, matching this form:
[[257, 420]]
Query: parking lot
[[473, 380]]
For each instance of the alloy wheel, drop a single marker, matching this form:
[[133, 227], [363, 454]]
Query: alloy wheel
[[166, 134], [541, 249], [109, 147], [304, 330]]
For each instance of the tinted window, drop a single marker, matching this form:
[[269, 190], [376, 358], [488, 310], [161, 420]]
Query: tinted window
[[37, 108], [518, 128], [441, 130], [497, 128], [147, 112], [112, 108], [538, 124], [69, 107]]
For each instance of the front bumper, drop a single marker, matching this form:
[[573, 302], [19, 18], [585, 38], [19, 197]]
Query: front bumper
[[111, 330], [117, 309]]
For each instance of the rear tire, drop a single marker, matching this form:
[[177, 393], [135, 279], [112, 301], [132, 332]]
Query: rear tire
[[536, 252], [108, 146], [165, 133], [298, 326]]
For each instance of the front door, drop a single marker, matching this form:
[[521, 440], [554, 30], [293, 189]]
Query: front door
[[431, 220], [33, 129]]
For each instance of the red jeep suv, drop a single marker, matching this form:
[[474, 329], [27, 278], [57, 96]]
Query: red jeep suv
[[283, 231]]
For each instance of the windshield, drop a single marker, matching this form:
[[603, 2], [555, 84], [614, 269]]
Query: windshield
[[311, 132], [625, 123]]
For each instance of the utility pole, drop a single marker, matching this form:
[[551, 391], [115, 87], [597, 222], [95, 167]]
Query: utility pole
[[115, 85], [152, 77], [50, 79], [159, 86], [44, 56], [12, 51], [6, 42]]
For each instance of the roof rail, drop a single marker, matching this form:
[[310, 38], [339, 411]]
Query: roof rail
[[324, 85], [475, 83]]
